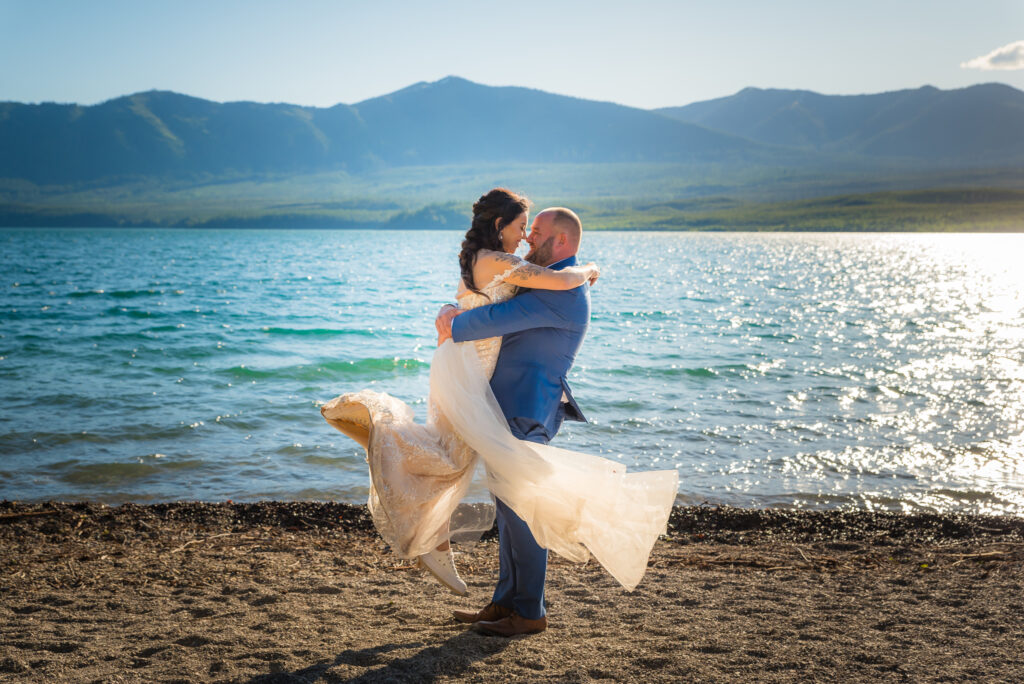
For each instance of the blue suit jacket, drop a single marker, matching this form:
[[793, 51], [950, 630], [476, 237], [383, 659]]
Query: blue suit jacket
[[541, 332]]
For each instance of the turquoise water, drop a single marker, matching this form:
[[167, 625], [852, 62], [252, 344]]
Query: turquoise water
[[812, 370]]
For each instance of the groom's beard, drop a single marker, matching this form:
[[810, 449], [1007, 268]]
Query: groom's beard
[[543, 255]]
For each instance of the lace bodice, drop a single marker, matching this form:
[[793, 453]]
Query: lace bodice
[[496, 291]]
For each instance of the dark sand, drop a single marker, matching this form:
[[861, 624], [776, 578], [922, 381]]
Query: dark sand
[[299, 592]]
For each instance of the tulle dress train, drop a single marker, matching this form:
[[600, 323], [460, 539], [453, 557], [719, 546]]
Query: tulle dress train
[[575, 504]]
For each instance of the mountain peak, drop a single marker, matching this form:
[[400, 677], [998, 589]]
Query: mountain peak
[[446, 83], [453, 80], [155, 95]]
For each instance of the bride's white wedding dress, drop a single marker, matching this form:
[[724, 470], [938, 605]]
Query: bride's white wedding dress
[[575, 504]]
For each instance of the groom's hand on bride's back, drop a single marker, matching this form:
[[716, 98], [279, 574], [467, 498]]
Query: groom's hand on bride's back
[[443, 322]]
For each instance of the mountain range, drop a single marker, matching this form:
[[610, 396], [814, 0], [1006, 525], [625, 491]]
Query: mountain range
[[979, 125], [453, 121]]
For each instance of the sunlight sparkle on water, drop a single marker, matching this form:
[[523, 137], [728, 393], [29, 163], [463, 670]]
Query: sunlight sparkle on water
[[881, 371]]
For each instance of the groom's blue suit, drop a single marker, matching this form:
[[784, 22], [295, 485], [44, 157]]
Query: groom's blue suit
[[541, 332]]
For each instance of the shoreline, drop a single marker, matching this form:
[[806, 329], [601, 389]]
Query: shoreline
[[720, 523], [295, 591]]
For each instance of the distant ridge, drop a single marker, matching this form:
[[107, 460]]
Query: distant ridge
[[161, 135], [979, 125], [451, 121]]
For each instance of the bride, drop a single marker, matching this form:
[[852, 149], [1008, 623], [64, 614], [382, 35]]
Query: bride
[[574, 504]]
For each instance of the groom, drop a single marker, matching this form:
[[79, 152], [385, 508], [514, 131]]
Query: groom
[[541, 332]]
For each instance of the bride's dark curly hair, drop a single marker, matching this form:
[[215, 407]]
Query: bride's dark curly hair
[[501, 205]]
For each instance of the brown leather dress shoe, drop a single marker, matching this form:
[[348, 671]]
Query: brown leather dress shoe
[[490, 613], [513, 625]]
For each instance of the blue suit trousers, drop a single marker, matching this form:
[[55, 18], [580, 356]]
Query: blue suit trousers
[[522, 563]]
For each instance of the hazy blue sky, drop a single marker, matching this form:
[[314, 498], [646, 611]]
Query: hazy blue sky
[[645, 53]]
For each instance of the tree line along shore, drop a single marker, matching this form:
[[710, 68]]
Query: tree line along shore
[[933, 210]]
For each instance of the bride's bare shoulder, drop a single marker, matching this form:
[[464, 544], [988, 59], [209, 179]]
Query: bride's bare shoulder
[[490, 264], [497, 260]]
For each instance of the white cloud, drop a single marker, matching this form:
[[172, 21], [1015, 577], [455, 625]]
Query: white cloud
[[1007, 57]]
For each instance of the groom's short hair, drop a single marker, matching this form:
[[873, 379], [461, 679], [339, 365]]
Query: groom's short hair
[[566, 221]]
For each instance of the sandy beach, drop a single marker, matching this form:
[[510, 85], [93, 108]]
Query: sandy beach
[[302, 592]]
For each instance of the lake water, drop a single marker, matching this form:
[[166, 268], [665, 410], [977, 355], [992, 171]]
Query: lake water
[[811, 370]]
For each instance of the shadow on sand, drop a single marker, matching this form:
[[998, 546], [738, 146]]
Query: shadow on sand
[[449, 658]]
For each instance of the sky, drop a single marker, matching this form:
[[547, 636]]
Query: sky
[[643, 53]]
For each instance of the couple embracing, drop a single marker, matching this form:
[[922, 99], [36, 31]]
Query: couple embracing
[[498, 395]]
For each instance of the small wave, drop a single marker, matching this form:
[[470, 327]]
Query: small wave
[[355, 493], [320, 332], [346, 463], [59, 465], [734, 370], [136, 433], [668, 372], [114, 294], [64, 401], [33, 337], [647, 315], [132, 313], [110, 473], [336, 332], [310, 454], [23, 314], [783, 337], [121, 337], [131, 294], [173, 371], [126, 312], [328, 369]]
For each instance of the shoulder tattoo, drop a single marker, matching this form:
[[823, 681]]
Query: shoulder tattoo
[[504, 257], [530, 270]]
